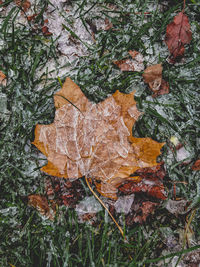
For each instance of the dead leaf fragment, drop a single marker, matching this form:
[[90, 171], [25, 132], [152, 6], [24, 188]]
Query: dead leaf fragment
[[45, 31], [196, 166], [63, 191], [94, 140], [133, 64], [142, 211], [41, 204], [108, 25], [24, 4], [3, 80], [178, 34], [153, 76]]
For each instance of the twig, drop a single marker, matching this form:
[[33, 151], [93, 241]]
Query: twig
[[183, 5], [120, 229]]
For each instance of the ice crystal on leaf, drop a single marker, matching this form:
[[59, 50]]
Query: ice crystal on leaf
[[95, 140]]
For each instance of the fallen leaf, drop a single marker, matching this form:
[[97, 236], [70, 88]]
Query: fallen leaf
[[152, 188], [41, 204], [3, 80], [45, 31], [24, 4], [32, 17], [94, 140], [142, 211], [63, 191], [156, 172], [153, 76], [178, 34], [108, 25], [196, 166], [134, 64]]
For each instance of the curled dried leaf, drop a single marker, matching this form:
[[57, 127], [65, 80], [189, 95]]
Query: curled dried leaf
[[153, 76]]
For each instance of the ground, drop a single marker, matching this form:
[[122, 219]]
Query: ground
[[80, 40]]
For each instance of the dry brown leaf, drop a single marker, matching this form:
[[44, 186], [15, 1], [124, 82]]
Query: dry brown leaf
[[133, 64], [41, 204], [153, 76], [94, 140]]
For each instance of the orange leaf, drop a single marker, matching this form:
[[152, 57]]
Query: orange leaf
[[178, 34], [94, 140]]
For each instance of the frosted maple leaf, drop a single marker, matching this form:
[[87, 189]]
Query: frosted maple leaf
[[94, 140]]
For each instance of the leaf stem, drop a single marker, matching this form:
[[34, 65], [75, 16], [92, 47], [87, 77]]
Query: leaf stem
[[118, 226], [183, 6]]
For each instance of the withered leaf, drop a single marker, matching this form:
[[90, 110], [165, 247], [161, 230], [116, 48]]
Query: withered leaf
[[142, 211], [63, 191], [178, 34], [41, 204], [196, 166], [94, 140], [153, 76], [3, 80], [133, 64], [25, 5], [108, 25]]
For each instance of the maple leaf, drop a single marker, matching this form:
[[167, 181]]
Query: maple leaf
[[133, 64], [153, 76], [178, 34], [94, 140]]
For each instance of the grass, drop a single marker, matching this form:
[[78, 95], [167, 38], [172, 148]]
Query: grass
[[27, 239]]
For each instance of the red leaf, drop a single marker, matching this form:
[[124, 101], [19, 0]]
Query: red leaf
[[177, 35], [150, 184], [153, 190]]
